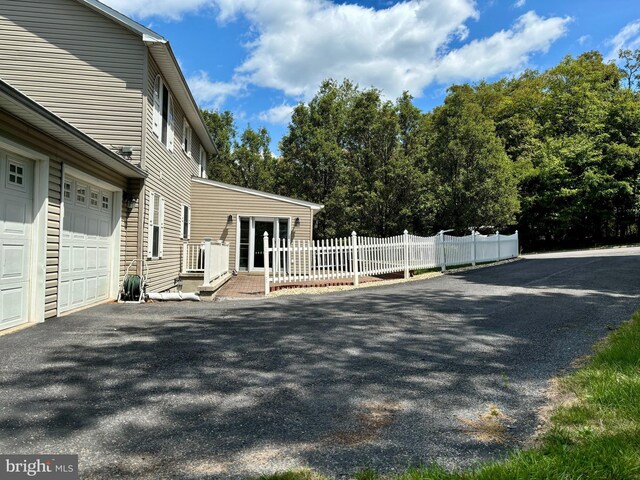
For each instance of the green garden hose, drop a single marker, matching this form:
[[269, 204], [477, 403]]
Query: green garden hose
[[131, 287]]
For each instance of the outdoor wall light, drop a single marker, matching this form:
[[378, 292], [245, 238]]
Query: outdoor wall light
[[229, 219], [297, 222], [129, 200], [126, 151]]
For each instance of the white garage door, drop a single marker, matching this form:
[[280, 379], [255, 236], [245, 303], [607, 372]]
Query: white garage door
[[86, 245], [16, 217]]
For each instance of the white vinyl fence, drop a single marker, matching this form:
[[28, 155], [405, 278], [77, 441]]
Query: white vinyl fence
[[299, 261], [208, 257]]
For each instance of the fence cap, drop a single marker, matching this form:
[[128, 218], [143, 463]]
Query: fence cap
[[353, 234], [406, 232], [266, 234]]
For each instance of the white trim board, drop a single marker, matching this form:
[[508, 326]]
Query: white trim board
[[258, 193]]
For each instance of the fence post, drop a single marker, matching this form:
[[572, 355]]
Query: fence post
[[265, 240], [354, 244], [405, 238], [443, 258], [498, 234], [207, 262], [475, 255]]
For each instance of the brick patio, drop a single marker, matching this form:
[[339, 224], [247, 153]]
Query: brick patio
[[252, 286]]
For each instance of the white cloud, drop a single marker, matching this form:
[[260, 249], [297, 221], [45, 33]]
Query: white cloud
[[211, 94], [301, 42], [628, 37], [503, 51], [295, 44], [519, 3], [584, 39], [280, 115]]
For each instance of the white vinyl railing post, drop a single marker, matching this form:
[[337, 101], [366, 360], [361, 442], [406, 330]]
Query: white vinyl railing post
[[354, 248], [185, 250], [265, 239], [443, 258], [405, 241], [473, 237], [498, 234], [517, 244], [207, 261]]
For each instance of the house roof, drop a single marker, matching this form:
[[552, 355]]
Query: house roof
[[20, 106], [162, 53], [258, 193]]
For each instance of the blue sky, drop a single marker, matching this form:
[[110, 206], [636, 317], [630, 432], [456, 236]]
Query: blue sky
[[259, 58]]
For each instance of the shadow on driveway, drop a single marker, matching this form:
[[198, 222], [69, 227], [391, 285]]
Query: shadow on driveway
[[378, 377]]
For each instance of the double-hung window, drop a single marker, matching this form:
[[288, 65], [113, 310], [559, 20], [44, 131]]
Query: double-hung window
[[186, 138], [163, 117], [203, 163], [156, 226], [186, 222]]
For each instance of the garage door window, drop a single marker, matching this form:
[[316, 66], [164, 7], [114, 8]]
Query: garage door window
[[105, 202], [16, 174], [81, 195], [67, 190], [156, 225], [94, 199]]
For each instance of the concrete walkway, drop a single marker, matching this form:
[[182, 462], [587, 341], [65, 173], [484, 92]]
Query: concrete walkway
[[385, 377]]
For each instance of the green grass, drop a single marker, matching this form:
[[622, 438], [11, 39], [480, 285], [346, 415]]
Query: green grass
[[595, 436]]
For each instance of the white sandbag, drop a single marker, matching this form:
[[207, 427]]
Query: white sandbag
[[173, 297]]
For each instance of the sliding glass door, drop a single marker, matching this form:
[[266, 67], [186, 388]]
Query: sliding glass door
[[261, 226], [251, 240]]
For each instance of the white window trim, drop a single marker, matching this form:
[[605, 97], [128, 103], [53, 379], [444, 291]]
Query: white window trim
[[158, 99], [182, 207], [153, 197]]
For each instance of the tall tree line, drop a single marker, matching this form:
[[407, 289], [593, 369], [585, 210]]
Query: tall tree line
[[555, 154]]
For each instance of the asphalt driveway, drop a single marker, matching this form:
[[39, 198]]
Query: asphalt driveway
[[380, 377]]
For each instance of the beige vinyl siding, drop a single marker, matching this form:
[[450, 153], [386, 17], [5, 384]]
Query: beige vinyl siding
[[80, 65], [54, 226], [211, 205], [170, 177], [58, 155], [129, 248]]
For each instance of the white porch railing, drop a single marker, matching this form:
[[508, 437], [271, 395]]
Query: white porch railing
[[192, 257], [208, 257], [300, 261]]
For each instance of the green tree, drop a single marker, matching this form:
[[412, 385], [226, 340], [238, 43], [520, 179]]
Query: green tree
[[221, 165], [473, 177], [630, 66], [253, 159]]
